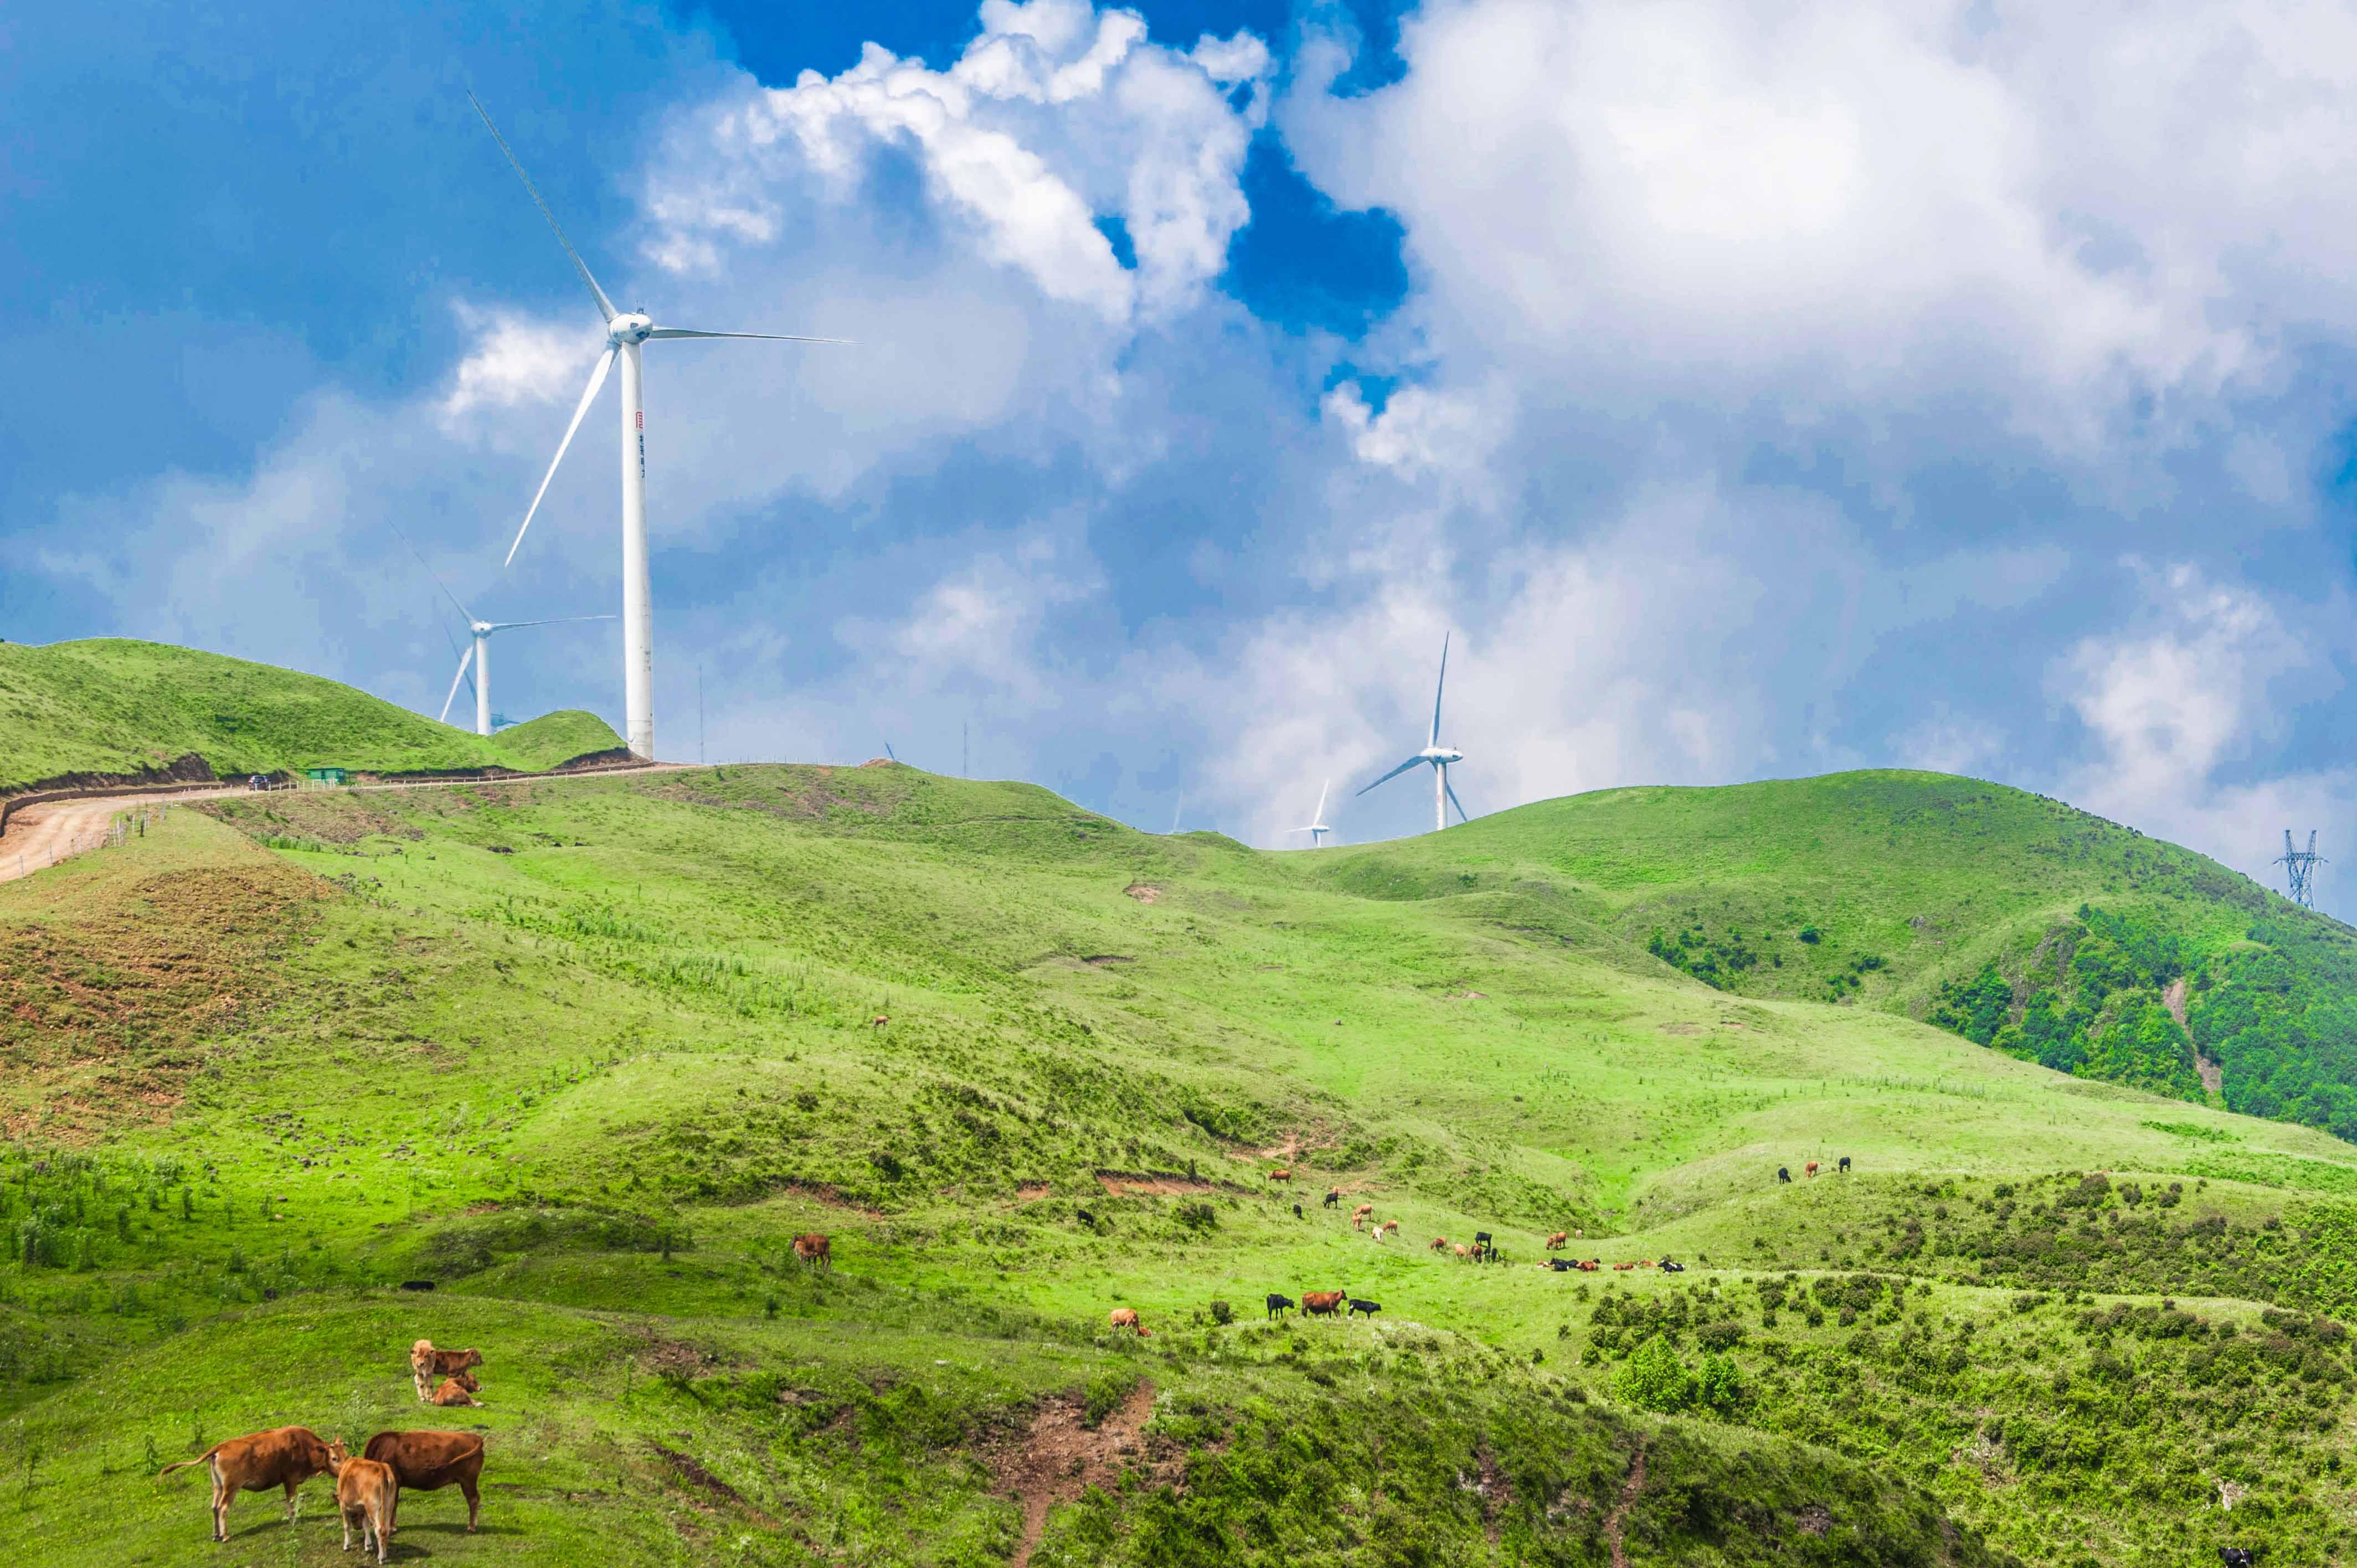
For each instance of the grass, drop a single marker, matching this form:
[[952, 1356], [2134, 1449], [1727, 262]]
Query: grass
[[589, 1053], [114, 707]]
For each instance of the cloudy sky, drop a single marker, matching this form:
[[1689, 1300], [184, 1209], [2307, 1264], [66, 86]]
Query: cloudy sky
[[1750, 392]]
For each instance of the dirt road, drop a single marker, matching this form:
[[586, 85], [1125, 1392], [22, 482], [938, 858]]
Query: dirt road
[[41, 836]]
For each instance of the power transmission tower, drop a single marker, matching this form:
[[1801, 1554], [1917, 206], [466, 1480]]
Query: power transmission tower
[[2299, 869]]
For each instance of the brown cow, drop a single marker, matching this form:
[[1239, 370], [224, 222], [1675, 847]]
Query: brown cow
[[1280, 1175], [816, 1250], [1586, 1265], [458, 1391], [1440, 1243], [1809, 1169], [366, 1493], [1461, 1253], [426, 1364], [1323, 1303], [429, 1461], [1389, 1226], [879, 1021], [284, 1456], [1617, 1267], [1557, 1240], [1127, 1317], [1363, 1211]]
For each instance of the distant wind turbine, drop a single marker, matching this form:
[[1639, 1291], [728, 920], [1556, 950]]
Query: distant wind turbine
[[1437, 755], [625, 331], [1317, 830], [478, 654], [1176, 809]]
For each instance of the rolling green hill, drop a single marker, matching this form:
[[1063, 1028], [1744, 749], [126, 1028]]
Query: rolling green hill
[[587, 1053], [113, 706]]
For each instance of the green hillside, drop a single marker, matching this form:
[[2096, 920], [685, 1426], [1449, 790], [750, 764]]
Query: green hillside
[[111, 705], [587, 1053], [2010, 918]]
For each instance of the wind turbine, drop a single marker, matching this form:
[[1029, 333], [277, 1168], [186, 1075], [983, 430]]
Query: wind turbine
[[625, 331], [478, 654], [1437, 755], [1317, 830]]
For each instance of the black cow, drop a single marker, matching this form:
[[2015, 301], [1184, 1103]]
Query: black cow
[[1333, 1197], [1670, 1268], [1278, 1305], [1296, 1211], [1783, 1175], [2238, 1556], [1364, 1308], [1844, 1163], [1559, 1264]]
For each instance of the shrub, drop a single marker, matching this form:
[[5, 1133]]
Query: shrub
[[1222, 1314], [1654, 1379], [1809, 935], [1199, 1217], [1719, 1386]]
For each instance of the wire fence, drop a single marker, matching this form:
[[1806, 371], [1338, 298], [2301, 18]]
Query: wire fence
[[119, 830]]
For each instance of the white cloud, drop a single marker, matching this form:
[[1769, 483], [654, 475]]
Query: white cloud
[[517, 360]]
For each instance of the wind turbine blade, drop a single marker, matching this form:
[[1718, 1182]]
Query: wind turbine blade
[[764, 337], [1411, 762], [596, 379], [1318, 816], [1437, 689], [604, 305], [889, 751], [1452, 797], [468, 615], [464, 659], [557, 620]]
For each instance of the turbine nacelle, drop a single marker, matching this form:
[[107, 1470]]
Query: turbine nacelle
[[632, 327], [1441, 754]]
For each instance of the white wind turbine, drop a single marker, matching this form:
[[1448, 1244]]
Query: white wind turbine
[[1437, 755], [625, 331], [1317, 830], [478, 654]]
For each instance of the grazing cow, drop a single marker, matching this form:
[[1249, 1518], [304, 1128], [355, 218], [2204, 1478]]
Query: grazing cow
[[1389, 1226], [1363, 1308], [1323, 1303], [458, 1391], [1277, 1305], [1280, 1175], [815, 1250], [1461, 1252], [2238, 1557], [1557, 1240], [1783, 1175], [879, 1021], [1333, 1197], [1127, 1317], [1672, 1268], [1809, 1169], [366, 1493], [427, 1365], [1296, 1211], [429, 1461], [1439, 1244], [1844, 1166], [1363, 1210], [284, 1456]]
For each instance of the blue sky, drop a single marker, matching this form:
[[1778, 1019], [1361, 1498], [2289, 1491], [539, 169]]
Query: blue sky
[[1751, 395]]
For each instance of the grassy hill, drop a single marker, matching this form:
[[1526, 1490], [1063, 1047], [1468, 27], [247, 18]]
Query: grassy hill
[[588, 1053], [111, 705]]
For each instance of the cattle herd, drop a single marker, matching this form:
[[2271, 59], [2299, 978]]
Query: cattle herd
[[367, 1486]]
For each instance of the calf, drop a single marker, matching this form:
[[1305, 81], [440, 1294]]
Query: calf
[[1783, 1175], [1809, 1169], [1278, 1305], [1296, 1211], [429, 1461], [1557, 1240], [284, 1456], [1322, 1303], [366, 1493], [426, 1365], [1363, 1308], [815, 1252], [1127, 1317], [1843, 1165], [458, 1391], [1333, 1197], [1462, 1252]]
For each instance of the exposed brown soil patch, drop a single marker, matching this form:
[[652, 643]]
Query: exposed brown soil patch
[[104, 1009], [1616, 1523], [1162, 1183], [2213, 1075], [1101, 958], [1143, 892], [1816, 1518], [1058, 1459], [826, 1193], [1032, 1191], [694, 1473]]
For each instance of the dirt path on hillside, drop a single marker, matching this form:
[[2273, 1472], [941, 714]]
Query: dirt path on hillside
[[2213, 1076], [40, 836], [1059, 1458]]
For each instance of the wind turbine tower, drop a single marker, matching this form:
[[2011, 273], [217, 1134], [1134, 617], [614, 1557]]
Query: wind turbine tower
[[626, 331], [1439, 755], [478, 654], [2299, 869], [1317, 830]]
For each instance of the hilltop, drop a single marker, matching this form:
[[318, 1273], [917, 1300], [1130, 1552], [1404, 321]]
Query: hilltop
[[587, 1053], [115, 707]]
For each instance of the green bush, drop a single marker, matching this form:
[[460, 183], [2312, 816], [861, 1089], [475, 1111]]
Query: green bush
[[1654, 1379], [1221, 1313]]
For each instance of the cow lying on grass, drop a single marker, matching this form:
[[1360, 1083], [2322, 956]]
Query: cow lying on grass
[[429, 1461], [284, 1456], [428, 1366], [458, 1391]]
